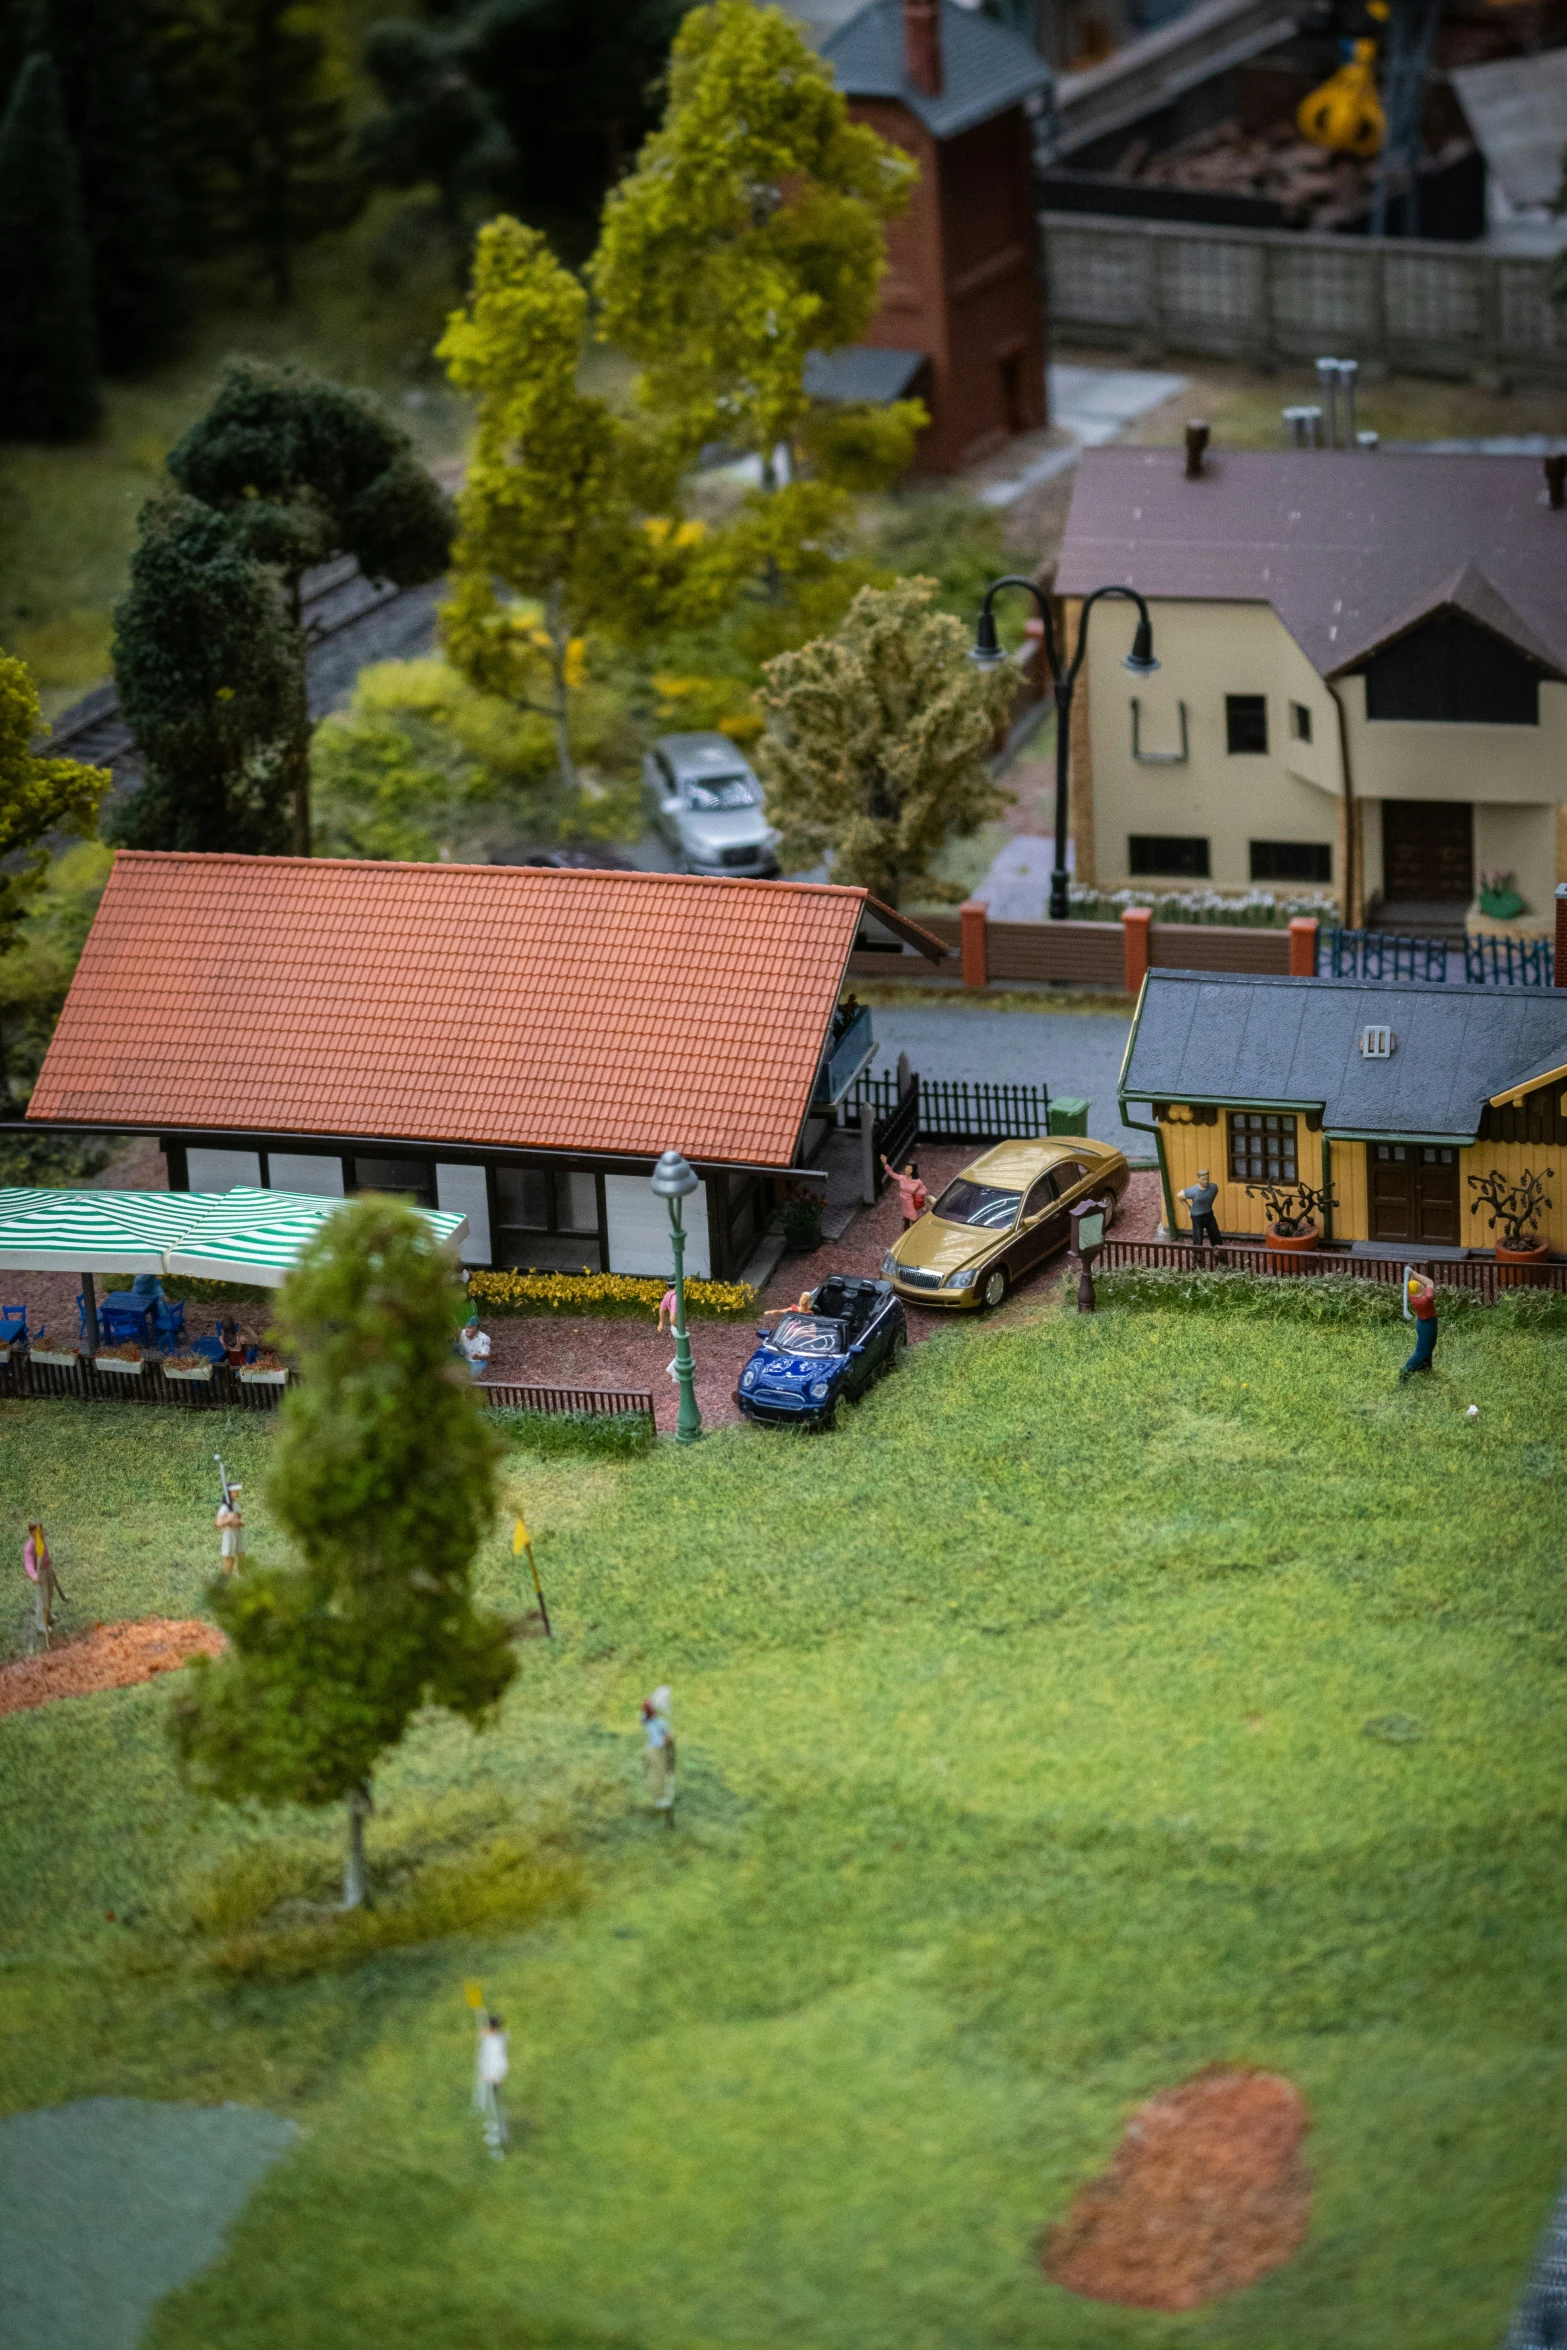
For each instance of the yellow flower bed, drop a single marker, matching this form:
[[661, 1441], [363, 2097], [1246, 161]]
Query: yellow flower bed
[[604, 1293]]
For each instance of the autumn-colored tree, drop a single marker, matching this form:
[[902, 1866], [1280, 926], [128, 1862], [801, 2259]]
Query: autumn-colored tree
[[877, 742], [385, 1482], [566, 522], [749, 233]]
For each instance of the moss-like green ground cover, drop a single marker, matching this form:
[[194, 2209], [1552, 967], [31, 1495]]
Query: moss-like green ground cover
[[1024, 1770]]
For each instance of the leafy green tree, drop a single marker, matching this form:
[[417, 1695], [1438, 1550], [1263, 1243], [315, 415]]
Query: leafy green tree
[[36, 969], [306, 470], [208, 671], [565, 522], [877, 743], [48, 342], [37, 795], [749, 233], [384, 1480], [117, 124]]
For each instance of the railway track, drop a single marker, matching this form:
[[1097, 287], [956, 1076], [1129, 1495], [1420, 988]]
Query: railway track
[[349, 621]]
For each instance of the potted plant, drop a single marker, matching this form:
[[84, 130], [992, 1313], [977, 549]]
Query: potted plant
[[1520, 1249], [187, 1366], [125, 1360], [1290, 1211], [55, 1358], [268, 1370]]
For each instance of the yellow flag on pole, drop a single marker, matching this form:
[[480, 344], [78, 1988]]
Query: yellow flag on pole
[[519, 1540], [474, 1994]]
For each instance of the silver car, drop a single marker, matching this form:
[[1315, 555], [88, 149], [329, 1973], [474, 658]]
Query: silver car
[[710, 805]]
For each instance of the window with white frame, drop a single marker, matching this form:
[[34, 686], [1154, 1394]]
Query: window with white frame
[[1262, 1146]]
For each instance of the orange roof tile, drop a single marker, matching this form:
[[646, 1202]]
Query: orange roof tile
[[603, 1013]]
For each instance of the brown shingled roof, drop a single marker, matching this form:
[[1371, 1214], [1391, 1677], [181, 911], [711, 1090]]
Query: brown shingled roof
[[609, 1014], [1350, 549]]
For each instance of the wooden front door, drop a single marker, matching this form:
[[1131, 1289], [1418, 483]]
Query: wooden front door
[[1414, 1192], [1427, 850]]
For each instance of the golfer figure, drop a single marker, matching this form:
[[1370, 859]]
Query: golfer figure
[[231, 1533], [658, 1756], [492, 2064], [39, 1570], [1422, 1304]]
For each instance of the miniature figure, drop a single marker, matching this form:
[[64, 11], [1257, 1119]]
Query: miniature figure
[[1199, 1197], [475, 1345], [913, 1198], [491, 2066], [230, 1526], [1422, 1304], [666, 1313], [233, 1344], [39, 1569], [658, 1757]]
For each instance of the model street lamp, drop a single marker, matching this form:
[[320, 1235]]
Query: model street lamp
[[673, 1178], [988, 654]]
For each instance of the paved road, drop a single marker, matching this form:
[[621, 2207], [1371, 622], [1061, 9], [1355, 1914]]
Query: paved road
[[1071, 1052]]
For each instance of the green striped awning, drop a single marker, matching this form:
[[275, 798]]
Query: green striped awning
[[244, 1235]]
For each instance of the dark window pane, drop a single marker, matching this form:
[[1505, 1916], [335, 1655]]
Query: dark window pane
[[1291, 860], [522, 1198], [1300, 722], [1451, 670], [1246, 722], [1181, 860], [409, 1178], [1265, 1156], [576, 1203]]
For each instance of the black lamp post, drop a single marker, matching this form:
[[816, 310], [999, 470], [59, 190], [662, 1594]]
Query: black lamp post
[[987, 653]]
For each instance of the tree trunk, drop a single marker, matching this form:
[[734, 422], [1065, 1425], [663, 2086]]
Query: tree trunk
[[359, 1810], [296, 757]]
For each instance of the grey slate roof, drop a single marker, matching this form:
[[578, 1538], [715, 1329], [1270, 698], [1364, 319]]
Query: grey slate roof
[[986, 69], [861, 371], [1350, 549], [1292, 1043]]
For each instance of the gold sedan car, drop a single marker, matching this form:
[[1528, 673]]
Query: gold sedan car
[[1000, 1218]]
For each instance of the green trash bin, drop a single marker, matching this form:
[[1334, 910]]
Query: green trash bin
[[1068, 1114]]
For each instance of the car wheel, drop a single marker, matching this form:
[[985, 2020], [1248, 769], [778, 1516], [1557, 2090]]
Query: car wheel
[[995, 1288], [828, 1417], [896, 1352], [1111, 1204]]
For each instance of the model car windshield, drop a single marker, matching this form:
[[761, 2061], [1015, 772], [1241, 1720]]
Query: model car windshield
[[804, 1334], [978, 1203], [719, 791]]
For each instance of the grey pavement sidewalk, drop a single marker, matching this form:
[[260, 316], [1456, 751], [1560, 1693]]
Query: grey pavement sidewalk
[[1070, 1052]]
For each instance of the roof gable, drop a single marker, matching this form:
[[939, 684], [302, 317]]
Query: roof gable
[[1351, 550], [985, 68], [610, 1014], [1236, 1039]]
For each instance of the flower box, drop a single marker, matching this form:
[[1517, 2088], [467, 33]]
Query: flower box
[[190, 1371], [121, 1365], [254, 1378], [55, 1358]]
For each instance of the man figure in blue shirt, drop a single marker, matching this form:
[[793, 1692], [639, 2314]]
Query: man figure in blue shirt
[[1199, 1197]]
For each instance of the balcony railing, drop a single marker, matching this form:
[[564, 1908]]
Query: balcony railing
[[851, 1052]]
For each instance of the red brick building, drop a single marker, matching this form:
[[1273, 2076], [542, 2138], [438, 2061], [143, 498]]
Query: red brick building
[[962, 301]]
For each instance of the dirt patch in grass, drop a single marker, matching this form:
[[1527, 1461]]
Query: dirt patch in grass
[[110, 1656], [1205, 2194]]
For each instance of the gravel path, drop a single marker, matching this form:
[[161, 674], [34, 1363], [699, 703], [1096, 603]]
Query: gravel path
[[110, 2204]]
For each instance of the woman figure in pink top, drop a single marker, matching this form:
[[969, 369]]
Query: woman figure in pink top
[[913, 1198]]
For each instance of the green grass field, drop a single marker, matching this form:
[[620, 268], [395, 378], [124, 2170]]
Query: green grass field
[[1024, 1771]]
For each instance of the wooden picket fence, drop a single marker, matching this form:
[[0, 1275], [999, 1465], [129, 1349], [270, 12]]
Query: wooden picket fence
[[1481, 1276], [23, 1380], [505, 1395]]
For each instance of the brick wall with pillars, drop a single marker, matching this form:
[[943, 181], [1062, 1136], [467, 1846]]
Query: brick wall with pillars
[[1303, 946], [972, 944], [1136, 924]]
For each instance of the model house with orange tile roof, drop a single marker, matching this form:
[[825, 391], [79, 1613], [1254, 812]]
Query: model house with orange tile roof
[[510, 1042]]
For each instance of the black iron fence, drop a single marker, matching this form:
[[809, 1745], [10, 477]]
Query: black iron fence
[[950, 1109]]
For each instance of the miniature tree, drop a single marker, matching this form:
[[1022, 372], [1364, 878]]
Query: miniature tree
[[1517, 1207], [749, 233], [439, 126], [877, 747], [48, 342], [308, 470], [565, 520], [37, 796], [288, 180], [1291, 1207], [385, 1481], [208, 671]]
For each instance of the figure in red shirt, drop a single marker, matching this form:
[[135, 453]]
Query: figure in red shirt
[[912, 1195], [1422, 1304]]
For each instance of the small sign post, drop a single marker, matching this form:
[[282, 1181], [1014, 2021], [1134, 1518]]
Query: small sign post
[[1088, 1234]]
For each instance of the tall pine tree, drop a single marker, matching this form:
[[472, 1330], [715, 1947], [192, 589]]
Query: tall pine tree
[[140, 294], [48, 344], [290, 180]]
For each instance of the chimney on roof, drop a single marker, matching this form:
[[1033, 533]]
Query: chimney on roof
[[1556, 480], [1196, 444], [922, 45]]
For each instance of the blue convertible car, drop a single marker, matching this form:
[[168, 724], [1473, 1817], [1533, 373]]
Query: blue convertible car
[[851, 1333]]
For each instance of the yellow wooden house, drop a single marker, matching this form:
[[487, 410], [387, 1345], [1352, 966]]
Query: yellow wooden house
[[1389, 1097]]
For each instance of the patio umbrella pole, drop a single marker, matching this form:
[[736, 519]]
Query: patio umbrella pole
[[90, 1339]]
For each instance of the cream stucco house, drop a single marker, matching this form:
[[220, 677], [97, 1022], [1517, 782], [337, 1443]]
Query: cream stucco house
[[1363, 680]]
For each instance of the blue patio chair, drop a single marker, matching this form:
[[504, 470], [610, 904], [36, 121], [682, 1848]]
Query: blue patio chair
[[168, 1321], [211, 1347], [13, 1326]]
